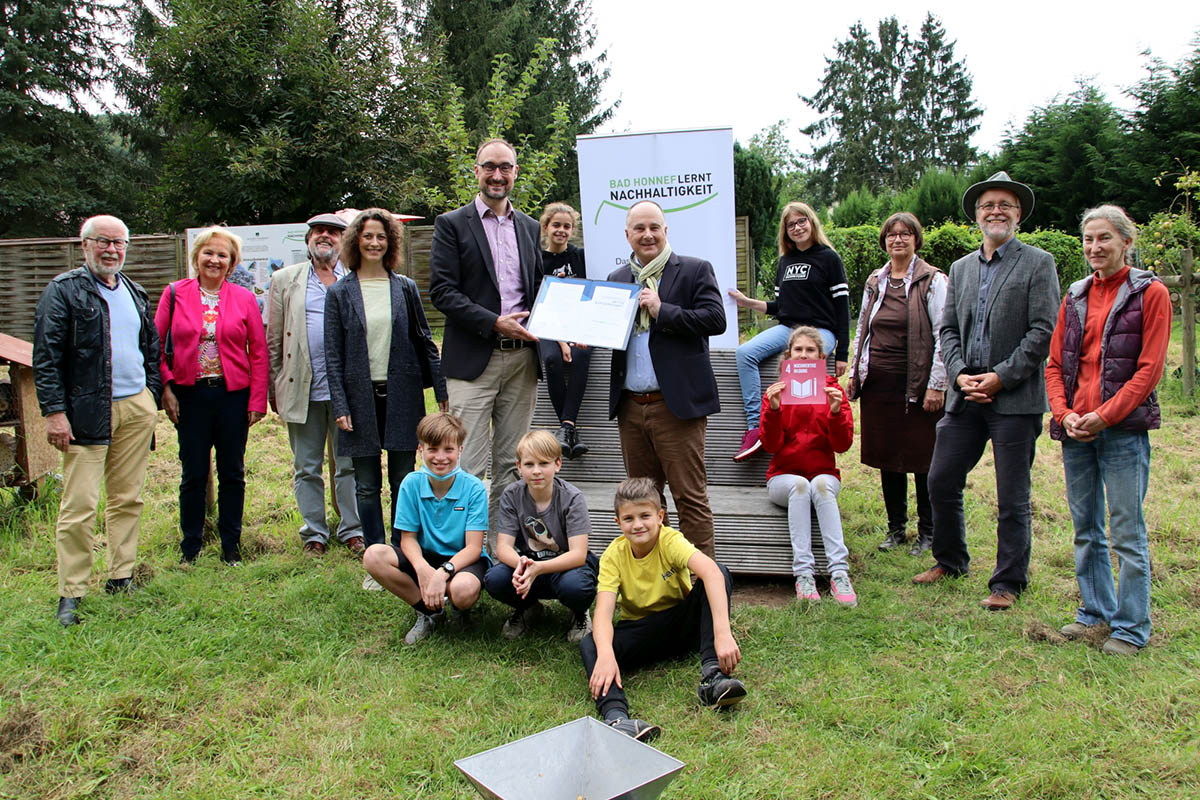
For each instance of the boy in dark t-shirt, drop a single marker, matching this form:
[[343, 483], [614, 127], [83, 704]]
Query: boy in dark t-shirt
[[542, 542]]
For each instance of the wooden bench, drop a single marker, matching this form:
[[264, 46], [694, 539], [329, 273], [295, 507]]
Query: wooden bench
[[751, 533]]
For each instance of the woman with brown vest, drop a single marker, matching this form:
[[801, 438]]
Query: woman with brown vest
[[898, 375]]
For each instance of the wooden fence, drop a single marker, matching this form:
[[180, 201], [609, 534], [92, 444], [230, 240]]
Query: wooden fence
[[27, 265]]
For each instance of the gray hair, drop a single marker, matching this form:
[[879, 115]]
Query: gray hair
[[1115, 216], [89, 225]]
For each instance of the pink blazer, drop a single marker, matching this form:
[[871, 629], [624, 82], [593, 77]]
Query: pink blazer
[[241, 340]]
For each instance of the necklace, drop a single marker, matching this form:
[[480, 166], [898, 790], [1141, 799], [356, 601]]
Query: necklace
[[895, 283]]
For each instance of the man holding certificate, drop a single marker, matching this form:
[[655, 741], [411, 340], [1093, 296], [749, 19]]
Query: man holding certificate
[[662, 387], [485, 267]]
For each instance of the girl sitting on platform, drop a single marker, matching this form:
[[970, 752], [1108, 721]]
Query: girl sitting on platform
[[803, 472]]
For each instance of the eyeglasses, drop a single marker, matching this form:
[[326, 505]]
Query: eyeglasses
[[1001, 206], [901, 236], [103, 242], [797, 223], [504, 169]]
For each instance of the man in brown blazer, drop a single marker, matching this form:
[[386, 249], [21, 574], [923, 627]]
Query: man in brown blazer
[[299, 390]]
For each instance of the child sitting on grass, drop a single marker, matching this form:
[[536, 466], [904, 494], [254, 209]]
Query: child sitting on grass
[[803, 472], [442, 514], [663, 614], [542, 541]]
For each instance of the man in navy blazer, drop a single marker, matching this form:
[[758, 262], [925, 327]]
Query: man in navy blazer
[[485, 267], [662, 387]]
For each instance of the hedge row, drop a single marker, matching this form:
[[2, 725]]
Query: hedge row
[[859, 248]]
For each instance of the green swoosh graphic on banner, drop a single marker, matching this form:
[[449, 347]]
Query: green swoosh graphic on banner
[[665, 210]]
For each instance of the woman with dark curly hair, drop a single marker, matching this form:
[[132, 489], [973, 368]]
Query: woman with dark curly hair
[[379, 353]]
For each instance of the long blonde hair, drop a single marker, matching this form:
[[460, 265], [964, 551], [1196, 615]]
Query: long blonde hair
[[786, 245]]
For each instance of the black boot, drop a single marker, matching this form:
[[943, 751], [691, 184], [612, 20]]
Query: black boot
[[563, 437], [578, 448], [114, 585], [896, 537], [66, 611], [924, 540]]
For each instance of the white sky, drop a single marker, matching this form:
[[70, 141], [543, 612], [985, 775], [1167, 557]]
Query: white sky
[[680, 64]]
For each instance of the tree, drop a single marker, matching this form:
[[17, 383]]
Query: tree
[[892, 108], [272, 110], [445, 116], [1165, 135], [58, 163], [472, 33], [1071, 153], [756, 196]]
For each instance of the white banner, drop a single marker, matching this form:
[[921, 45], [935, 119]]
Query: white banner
[[689, 174], [265, 249]]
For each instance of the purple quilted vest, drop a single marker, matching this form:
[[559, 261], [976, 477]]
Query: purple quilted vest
[[1121, 345]]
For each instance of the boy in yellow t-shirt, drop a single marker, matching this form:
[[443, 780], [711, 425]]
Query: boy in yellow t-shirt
[[663, 615]]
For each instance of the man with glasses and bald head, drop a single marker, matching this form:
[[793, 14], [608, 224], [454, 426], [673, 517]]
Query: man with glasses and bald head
[[96, 369], [485, 268]]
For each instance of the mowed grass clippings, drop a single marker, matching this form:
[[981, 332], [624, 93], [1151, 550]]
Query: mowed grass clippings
[[283, 679]]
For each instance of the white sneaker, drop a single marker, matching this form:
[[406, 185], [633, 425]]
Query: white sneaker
[[420, 629], [370, 584], [842, 590], [580, 628], [806, 589]]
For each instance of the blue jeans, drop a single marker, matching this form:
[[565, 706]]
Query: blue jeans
[[1117, 466], [574, 588], [770, 342]]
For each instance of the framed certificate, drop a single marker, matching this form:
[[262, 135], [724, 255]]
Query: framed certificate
[[595, 313], [804, 383]]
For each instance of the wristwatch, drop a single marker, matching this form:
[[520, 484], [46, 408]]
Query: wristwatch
[[447, 567]]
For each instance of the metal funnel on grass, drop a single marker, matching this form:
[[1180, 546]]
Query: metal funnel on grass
[[581, 760]]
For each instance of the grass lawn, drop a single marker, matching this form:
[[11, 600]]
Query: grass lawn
[[283, 679]]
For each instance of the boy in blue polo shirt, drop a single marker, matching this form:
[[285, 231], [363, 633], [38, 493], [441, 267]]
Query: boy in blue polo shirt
[[442, 514]]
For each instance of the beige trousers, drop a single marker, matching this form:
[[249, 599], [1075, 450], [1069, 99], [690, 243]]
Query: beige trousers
[[121, 467]]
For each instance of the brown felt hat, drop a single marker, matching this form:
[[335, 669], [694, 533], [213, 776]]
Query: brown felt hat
[[998, 181]]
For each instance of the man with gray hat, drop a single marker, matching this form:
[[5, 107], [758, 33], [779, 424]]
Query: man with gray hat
[[299, 389], [1000, 312]]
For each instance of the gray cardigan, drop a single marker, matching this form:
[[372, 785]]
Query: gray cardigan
[[413, 364], [1021, 309]]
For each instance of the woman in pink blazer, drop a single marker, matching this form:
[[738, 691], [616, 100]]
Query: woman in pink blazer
[[214, 367]]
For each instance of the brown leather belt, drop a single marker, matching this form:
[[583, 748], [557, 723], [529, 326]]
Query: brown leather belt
[[645, 397]]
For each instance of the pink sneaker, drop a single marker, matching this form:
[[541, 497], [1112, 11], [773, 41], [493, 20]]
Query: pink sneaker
[[842, 591], [751, 444], [806, 589]]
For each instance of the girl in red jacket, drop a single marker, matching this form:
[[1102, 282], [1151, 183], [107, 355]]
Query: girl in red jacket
[[803, 473]]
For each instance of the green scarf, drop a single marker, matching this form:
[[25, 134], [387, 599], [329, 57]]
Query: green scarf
[[648, 276]]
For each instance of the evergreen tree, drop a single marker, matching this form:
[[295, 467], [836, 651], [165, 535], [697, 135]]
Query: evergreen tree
[[892, 107], [58, 163]]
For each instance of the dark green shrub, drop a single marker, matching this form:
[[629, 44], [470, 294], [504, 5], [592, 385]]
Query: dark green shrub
[[937, 197], [1066, 249], [947, 243], [857, 209], [859, 248]]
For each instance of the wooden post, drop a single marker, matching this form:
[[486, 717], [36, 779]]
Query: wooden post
[[1187, 306]]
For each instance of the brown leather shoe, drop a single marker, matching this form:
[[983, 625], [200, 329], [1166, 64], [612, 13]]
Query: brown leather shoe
[[999, 601], [356, 546], [314, 548], [931, 575]]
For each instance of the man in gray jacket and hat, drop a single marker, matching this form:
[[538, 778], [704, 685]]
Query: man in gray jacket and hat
[[995, 334], [299, 389]]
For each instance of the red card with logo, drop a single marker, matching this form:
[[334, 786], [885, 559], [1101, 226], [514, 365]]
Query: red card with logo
[[803, 383]]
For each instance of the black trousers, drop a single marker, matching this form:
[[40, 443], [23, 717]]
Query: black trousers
[[565, 382], [681, 629], [961, 439], [895, 499], [211, 418], [368, 484]]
